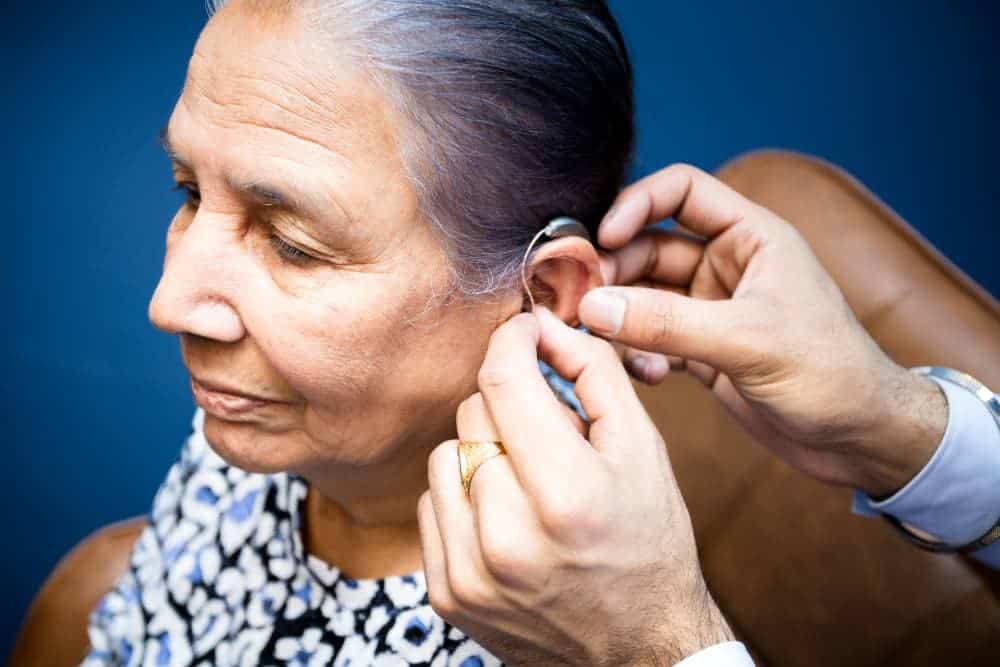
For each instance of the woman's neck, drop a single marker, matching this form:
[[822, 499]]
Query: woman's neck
[[380, 540], [363, 521]]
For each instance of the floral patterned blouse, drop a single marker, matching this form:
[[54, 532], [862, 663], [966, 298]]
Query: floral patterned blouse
[[219, 577]]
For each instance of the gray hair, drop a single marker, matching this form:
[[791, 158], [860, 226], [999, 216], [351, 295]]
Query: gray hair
[[522, 111]]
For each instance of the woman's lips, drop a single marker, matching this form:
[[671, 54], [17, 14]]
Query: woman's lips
[[224, 404]]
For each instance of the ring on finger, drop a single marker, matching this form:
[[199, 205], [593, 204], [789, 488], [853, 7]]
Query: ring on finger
[[472, 454]]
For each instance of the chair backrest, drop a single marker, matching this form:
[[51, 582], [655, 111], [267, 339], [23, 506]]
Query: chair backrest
[[803, 580]]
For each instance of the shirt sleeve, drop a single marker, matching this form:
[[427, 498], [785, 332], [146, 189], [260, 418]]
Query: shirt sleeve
[[726, 654], [956, 497]]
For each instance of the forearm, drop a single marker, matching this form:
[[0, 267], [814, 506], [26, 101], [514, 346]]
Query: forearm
[[955, 497], [701, 637], [898, 432]]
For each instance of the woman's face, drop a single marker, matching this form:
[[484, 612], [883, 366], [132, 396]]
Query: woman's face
[[299, 272]]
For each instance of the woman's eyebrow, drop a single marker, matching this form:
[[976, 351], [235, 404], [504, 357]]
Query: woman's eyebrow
[[263, 194], [168, 148], [269, 195]]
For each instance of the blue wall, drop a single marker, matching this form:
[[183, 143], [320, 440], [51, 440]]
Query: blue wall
[[96, 402]]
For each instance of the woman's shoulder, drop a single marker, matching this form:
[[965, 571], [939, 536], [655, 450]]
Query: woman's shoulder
[[69, 594], [209, 524]]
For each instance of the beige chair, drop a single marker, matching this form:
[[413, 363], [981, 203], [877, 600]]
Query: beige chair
[[803, 581]]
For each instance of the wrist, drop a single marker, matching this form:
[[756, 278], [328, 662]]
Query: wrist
[[699, 626], [900, 432]]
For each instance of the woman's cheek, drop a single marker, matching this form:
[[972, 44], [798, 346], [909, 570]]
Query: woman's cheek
[[328, 351]]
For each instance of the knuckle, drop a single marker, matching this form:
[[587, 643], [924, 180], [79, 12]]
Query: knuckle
[[468, 590], [470, 408], [579, 516], [504, 555], [685, 168], [660, 323], [563, 518], [441, 599], [605, 352], [686, 171], [424, 504], [425, 509], [784, 229]]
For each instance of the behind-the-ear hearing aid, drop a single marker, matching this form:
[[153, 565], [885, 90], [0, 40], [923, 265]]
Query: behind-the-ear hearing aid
[[556, 229]]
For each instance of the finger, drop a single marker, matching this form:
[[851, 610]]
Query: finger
[[706, 284], [601, 383], [582, 427], [497, 483], [650, 368], [728, 257], [432, 552], [702, 372], [474, 421], [507, 525], [658, 256], [659, 321], [606, 263], [475, 424], [695, 199], [647, 367], [502, 512], [455, 522], [541, 442]]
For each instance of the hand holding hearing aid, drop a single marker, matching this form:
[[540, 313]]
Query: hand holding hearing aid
[[574, 548], [741, 302]]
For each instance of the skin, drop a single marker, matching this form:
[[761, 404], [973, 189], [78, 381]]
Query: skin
[[300, 270], [347, 342], [327, 310], [752, 313], [785, 356], [597, 567]]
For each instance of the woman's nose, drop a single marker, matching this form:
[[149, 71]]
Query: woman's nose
[[196, 293]]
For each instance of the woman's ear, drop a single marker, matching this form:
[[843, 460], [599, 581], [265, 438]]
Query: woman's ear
[[560, 272]]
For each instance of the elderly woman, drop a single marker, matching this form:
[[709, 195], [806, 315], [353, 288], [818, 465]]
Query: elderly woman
[[365, 181], [362, 180]]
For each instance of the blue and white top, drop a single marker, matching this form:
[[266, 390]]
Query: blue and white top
[[219, 577]]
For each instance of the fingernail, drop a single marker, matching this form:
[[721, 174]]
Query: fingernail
[[603, 311]]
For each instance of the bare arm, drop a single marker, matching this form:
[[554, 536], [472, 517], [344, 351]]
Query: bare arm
[[55, 629]]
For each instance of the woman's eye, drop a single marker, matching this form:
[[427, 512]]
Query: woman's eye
[[192, 196], [287, 251]]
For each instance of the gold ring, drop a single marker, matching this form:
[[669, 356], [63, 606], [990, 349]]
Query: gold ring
[[471, 455]]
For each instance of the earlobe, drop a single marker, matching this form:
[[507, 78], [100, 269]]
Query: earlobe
[[561, 272]]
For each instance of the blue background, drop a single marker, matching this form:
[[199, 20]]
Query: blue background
[[901, 94]]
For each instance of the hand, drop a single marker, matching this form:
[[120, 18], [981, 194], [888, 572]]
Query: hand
[[748, 310], [568, 550]]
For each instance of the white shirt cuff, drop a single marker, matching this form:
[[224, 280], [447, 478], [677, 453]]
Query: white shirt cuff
[[726, 654], [956, 497]]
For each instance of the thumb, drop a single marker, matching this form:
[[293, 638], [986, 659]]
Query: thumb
[[659, 321]]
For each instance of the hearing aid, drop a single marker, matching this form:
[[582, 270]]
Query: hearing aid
[[556, 229]]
